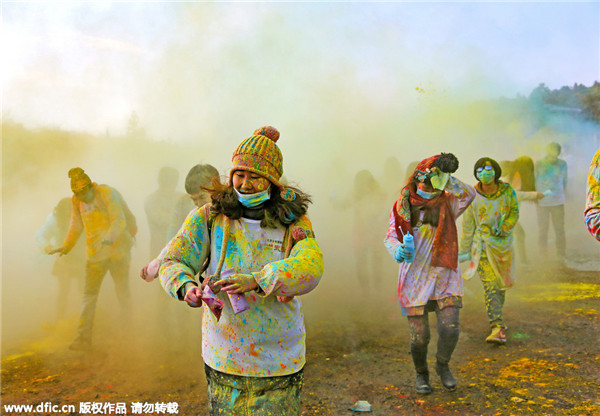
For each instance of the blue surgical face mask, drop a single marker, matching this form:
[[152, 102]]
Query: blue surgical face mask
[[253, 200], [426, 195]]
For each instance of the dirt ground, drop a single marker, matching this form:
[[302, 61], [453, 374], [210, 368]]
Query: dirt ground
[[357, 349]]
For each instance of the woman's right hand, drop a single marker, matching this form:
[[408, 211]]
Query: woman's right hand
[[402, 254], [193, 296], [150, 271]]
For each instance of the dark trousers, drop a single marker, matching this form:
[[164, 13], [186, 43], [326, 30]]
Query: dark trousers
[[557, 213], [94, 275]]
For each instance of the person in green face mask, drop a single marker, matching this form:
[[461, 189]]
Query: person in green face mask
[[487, 240]]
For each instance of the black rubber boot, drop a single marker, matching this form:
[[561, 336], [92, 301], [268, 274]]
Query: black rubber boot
[[419, 356], [446, 376], [422, 383]]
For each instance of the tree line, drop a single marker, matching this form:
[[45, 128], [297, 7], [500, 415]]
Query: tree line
[[579, 100]]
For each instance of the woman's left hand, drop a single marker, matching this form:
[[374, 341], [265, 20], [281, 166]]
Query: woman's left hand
[[237, 283]]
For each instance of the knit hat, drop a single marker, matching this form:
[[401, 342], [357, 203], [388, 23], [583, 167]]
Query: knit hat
[[79, 179], [259, 154]]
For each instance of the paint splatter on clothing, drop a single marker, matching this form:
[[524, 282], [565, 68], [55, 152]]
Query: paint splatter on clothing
[[486, 213], [493, 296], [269, 338], [103, 220], [253, 396], [592, 207], [419, 282], [551, 176]]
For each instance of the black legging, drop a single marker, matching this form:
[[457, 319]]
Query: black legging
[[447, 327]]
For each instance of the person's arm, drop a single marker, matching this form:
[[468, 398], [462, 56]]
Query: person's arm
[[297, 274], [46, 235], [592, 221], [75, 229], [468, 230], [392, 242], [592, 209], [185, 255], [565, 176], [510, 220], [150, 271], [463, 195], [537, 177], [528, 195]]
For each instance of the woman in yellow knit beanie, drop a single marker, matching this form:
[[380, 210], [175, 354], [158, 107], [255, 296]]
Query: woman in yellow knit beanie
[[258, 249]]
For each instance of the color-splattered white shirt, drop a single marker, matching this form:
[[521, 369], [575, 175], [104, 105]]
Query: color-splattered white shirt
[[269, 338]]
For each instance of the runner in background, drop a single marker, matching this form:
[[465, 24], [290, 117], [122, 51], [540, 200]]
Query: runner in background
[[69, 269], [109, 227]]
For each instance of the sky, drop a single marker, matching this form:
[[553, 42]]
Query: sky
[[189, 68]]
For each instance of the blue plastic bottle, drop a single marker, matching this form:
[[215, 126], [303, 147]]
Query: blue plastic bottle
[[409, 245]]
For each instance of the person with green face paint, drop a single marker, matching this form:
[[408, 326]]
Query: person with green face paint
[[487, 241]]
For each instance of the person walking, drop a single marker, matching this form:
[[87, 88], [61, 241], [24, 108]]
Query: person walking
[[487, 241], [255, 240], [159, 207], [551, 180], [198, 179], [109, 227], [519, 174], [429, 278], [67, 269]]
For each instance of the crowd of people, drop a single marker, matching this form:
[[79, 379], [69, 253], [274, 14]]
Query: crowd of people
[[245, 249]]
